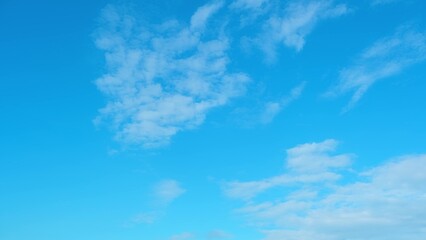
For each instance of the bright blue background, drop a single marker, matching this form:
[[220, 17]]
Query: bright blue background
[[59, 180]]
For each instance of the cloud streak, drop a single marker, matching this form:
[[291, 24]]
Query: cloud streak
[[385, 202], [163, 79], [385, 58], [163, 194], [273, 108], [248, 4], [292, 25]]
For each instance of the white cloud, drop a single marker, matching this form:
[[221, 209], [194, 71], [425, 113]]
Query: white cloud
[[385, 58], [163, 79], [297, 20], [315, 157], [384, 203], [202, 15], [144, 218], [163, 194], [305, 164], [168, 190], [248, 4], [273, 108]]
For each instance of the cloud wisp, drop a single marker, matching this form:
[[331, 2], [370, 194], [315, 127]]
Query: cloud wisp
[[162, 79], [294, 23], [384, 203], [385, 58], [167, 191], [273, 108], [164, 193], [248, 4]]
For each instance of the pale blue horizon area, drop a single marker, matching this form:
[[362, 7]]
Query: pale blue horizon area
[[236, 169]]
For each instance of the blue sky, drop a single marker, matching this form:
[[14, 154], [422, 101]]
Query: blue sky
[[242, 119]]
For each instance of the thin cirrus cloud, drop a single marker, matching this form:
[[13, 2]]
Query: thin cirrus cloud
[[167, 191], [164, 193], [248, 4], [294, 23], [162, 79], [383, 203], [273, 108], [385, 58]]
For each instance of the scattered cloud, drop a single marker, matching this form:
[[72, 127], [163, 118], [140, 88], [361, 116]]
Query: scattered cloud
[[144, 218], [162, 79], [248, 4], [385, 202], [294, 23], [164, 193], [168, 190], [309, 163], [385, 58], [316, 157], [271, 109], [200, 18]]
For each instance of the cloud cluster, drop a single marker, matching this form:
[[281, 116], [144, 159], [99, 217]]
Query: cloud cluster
[[162, 79], [385, 58], [386, 202], [165, 78]]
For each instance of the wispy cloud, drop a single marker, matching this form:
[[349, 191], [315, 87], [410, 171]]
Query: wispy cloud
[[168, 190], [273, 108], [385, 58], [164, 193], [305, 164], [162, 79], [294, 23], [200, 18], [248, 4], [386, 202]]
